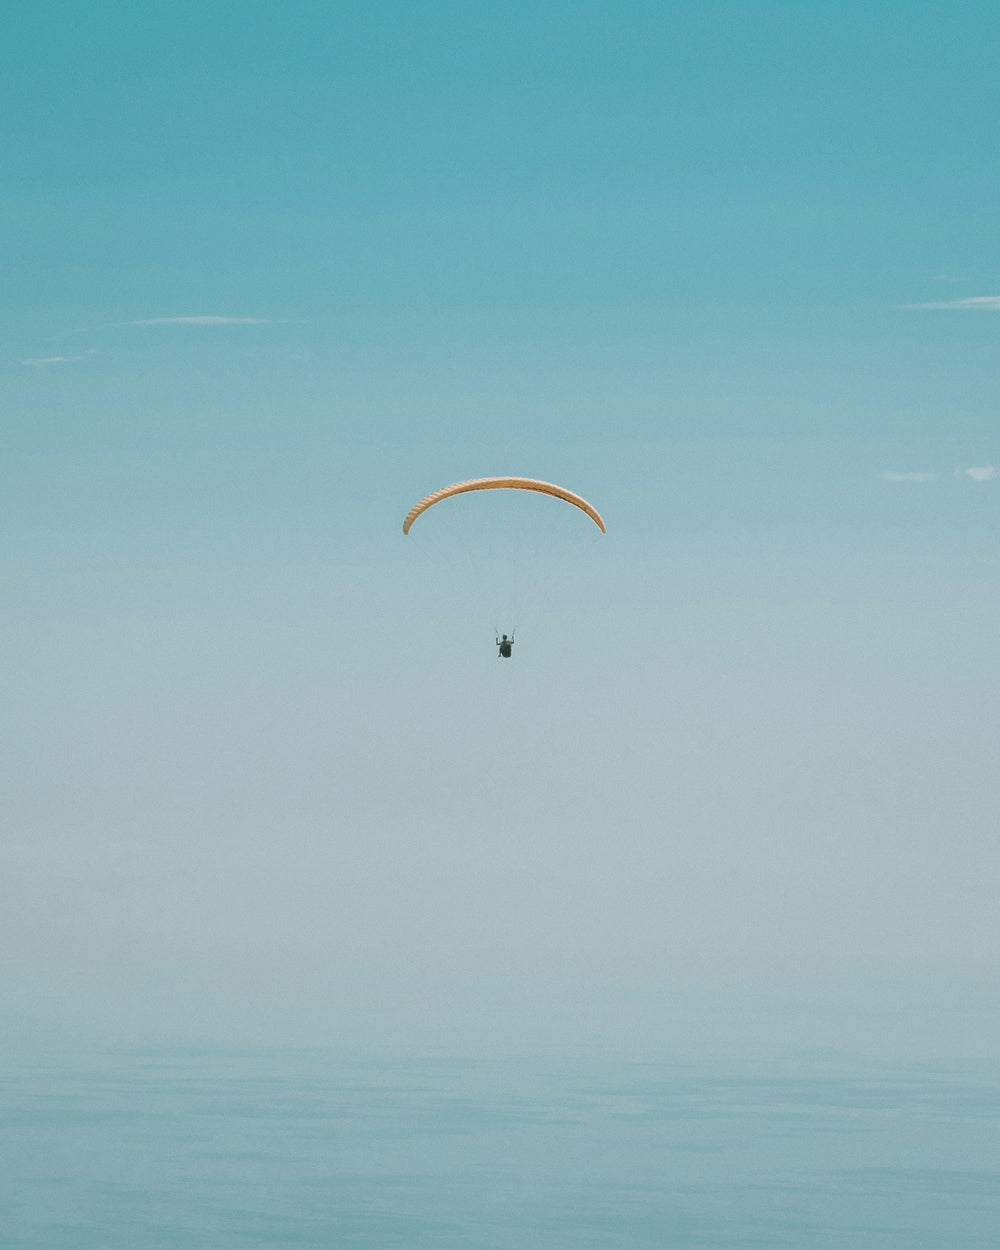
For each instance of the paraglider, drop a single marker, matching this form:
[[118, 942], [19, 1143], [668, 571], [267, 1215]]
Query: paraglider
[[505, 643]]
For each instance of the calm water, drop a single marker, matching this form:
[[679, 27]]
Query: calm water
[[430, 1150]]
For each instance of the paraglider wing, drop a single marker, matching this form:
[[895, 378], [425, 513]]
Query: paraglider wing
[[502, 483]]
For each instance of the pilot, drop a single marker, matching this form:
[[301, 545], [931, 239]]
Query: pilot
[[505, 645]]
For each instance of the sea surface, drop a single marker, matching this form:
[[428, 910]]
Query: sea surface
[[525, 1152]]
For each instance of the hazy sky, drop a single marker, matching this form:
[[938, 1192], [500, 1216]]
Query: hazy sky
[[275, 270]]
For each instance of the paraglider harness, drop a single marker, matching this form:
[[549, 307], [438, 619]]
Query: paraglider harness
[[505, 645]]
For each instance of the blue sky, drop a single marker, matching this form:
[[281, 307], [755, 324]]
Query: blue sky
[[275, 271]]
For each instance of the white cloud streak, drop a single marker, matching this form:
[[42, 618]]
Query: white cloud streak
[[54, 360], [975, 473], [973, 303], [181, 321], [198, 321]]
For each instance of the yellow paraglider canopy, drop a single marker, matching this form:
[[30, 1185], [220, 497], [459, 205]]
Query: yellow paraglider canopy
[[502, 483]]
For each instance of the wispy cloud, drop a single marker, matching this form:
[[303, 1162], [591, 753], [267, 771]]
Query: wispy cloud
[[181, 321], [199, 321], [54, 360], [975, 473], [973, 303]]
